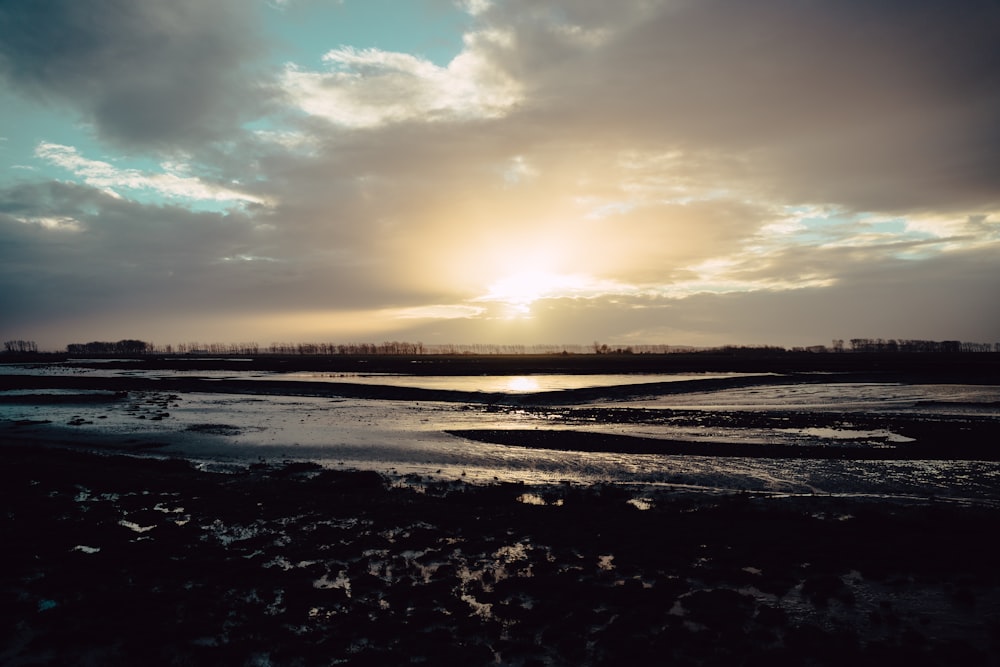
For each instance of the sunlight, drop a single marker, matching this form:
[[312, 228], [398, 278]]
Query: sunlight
[[519, 290], [523, 383]]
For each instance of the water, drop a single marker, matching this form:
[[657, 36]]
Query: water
[[939, 399], [517, 384], [411, 437], [512, 384]]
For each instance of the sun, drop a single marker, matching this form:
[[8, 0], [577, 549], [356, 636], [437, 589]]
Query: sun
[[518, 291]]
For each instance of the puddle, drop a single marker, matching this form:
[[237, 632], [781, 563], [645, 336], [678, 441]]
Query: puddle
[[85, 549], [848, 434], [134, 527]]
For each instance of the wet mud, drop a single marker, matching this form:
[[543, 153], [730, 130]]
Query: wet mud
[[884, 439], [116, 560]]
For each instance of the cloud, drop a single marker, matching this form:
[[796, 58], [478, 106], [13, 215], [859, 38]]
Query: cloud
[[169, 183], [885, 105], [647, 170], [145, 73], [75, 251], [945, 297], [473, 7], [949, 297], [370, 87]]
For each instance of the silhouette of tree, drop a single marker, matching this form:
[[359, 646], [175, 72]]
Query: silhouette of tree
[[20, 346]]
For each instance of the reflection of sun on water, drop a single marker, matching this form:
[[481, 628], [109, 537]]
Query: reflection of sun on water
[[522, 383]]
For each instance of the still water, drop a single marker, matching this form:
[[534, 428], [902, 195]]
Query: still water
[[513, 384], [411, 437]]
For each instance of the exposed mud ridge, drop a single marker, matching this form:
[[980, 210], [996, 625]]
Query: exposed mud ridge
[[962, 442], [116, 560]]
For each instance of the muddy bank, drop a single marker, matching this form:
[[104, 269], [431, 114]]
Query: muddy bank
[[123, 561], [973, 448]]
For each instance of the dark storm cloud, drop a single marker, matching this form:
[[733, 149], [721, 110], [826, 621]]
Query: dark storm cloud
[[146, 73]]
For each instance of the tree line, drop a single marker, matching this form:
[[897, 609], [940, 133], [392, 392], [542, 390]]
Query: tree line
[[20, 346], [127, 346], [879, 345]]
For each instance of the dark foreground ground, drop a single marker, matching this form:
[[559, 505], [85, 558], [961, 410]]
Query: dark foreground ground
[[115, 560]]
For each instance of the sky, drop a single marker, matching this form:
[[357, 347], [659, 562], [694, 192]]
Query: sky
[[678, 172]]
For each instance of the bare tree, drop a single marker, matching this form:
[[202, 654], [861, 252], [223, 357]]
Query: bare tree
[[20, 346]]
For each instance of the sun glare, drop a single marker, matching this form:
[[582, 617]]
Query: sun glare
[[522, 383], [519, 290]]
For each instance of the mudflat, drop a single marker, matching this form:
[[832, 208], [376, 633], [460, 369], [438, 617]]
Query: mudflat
[[693, 543], [119, 560]]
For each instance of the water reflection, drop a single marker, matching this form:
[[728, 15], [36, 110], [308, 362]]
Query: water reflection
[[504, 383], [522, 384]]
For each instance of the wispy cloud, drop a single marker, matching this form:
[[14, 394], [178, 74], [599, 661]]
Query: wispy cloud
[[474, 7], [168, 183], [437, 312], [56, 223]]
